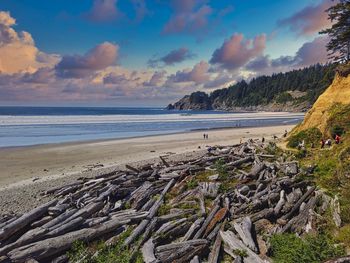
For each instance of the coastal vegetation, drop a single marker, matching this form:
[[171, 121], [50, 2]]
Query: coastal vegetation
[[294, 90]]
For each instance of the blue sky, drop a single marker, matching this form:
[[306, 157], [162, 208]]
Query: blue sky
[[143, 30]]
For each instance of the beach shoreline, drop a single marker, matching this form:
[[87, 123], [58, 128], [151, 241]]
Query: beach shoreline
[[30, 170]]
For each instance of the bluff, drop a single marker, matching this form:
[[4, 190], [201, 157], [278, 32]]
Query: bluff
[[294, 91], [335, 97], [196, 101]]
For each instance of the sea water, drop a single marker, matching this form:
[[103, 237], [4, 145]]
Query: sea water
[[23, 126]]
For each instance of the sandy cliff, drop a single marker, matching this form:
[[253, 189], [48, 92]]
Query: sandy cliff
[[318, 115]]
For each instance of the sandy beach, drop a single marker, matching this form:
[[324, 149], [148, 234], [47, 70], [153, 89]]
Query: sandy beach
[[57, 160], [26, 172]]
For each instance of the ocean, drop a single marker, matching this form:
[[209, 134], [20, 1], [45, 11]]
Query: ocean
[[24, 126]]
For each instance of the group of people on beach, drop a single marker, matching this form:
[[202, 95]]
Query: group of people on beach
[[205, 136]]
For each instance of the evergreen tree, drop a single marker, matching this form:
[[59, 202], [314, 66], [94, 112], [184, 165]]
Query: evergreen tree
[[339, 33]]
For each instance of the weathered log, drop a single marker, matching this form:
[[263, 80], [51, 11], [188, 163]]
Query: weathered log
[[335, 209], [195, 259], [152, 212], [339, 260], [52, 246], [148, 251], [277, 209], [297, 224], [218, 217], [245, 232], [132, 168], [173, 246], [164, 161], [235, 244], [196, 224], [240, 162], [25, 220], [215, 251], [207, 221], [297, 205], [60, 259]]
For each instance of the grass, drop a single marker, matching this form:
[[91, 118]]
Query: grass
[[343, 235], [220, 167], [191, 184], [83, 253], [311, 137], [332, 174], [288, 248]]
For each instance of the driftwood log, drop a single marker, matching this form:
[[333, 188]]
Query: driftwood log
[[176, 211]]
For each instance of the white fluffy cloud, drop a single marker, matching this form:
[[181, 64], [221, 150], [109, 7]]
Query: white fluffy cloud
[[18, 52]]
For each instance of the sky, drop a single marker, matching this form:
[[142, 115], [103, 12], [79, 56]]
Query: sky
[[149, 52]]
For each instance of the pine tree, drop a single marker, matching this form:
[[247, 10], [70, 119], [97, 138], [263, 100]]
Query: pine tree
[[339, 33]]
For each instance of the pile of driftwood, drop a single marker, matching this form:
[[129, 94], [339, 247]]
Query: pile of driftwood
[[179, 212]]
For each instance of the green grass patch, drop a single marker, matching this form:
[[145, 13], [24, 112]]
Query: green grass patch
[[191, 184], [220, 167], [343, 235], [203, 176], [288, 248], [310, 136], [83, 253]]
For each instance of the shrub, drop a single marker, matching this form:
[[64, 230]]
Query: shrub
[[288, 248], [284, 97], [191, 184], [221, 169], [310, 136], [337, 130]]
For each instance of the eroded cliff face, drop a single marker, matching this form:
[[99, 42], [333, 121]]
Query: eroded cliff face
[[337, 93]]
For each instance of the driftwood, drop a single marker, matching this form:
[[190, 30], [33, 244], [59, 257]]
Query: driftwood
[[339, 260], [24, 220], [244, 230], [172, 220], [233, 244], [52, 246]]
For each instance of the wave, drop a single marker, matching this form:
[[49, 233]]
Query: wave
[[7, 120]]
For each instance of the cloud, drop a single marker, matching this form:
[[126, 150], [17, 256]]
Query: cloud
[[236, 51], [104, 11], [156, 80], [18, 52], [41, 76], [140, 9], [189, 16], [308, 54], [98, 58], [223, 79], [313, 52], [309, 20], [173, 57], [198, 74]]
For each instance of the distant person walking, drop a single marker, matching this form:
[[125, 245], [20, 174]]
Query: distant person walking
[[337, 139], [204, 136], [322, 143], [207, 136]]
